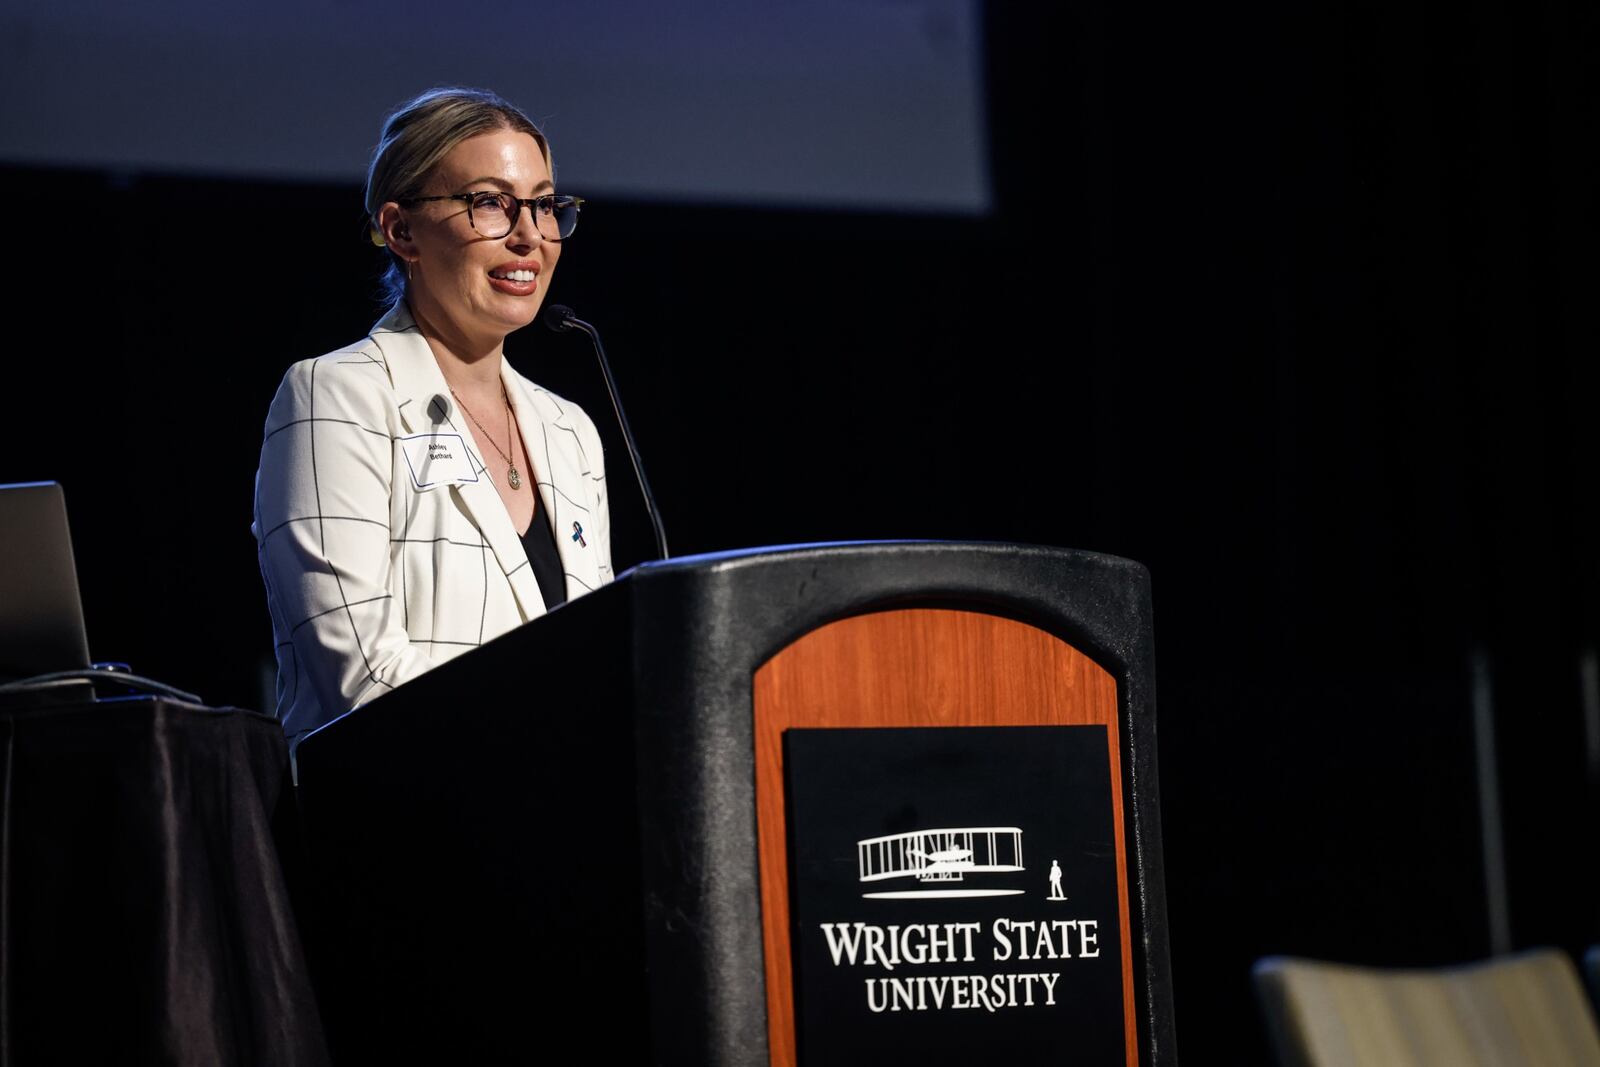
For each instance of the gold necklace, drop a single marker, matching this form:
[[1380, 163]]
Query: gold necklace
[[513, 479]]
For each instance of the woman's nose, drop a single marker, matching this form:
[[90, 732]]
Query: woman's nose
[[525, 232]]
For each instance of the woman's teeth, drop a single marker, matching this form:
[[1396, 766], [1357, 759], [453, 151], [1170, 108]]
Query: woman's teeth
[[515, 275]]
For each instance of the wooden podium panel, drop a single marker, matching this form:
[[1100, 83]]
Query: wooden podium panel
[[919, 667]]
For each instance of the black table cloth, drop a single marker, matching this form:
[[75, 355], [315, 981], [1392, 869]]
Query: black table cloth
[[144, 916]]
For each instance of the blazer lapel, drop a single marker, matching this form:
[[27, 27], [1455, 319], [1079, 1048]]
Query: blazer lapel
[[563, 472], [426, 406]]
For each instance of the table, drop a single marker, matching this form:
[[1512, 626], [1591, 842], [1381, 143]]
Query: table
[[144, 913]]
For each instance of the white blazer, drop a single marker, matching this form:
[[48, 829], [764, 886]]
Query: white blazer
[[384, 546]]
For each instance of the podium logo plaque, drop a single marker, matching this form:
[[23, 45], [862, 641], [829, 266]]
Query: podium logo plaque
[[922, 931]]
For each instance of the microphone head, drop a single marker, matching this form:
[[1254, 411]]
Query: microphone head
[[558, 317]]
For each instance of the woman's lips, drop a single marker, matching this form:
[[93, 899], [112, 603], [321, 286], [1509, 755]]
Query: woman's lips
[[515, 280]]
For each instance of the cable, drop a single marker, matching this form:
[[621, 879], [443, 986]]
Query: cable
[[92, 674]]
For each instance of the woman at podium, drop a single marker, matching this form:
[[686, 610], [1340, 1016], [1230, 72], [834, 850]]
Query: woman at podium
[[417, 496]]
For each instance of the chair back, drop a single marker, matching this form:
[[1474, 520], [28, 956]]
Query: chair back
[[1527, 1008]]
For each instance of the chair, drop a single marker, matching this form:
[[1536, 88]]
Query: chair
[[1523, 1009]]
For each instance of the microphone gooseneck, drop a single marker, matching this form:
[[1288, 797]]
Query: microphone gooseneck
[[559, 318]]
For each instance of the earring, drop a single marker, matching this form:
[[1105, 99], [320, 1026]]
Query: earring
[[411, 270]]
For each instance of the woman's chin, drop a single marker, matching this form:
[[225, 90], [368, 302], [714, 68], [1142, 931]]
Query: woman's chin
[[507, 314], [528, 312]]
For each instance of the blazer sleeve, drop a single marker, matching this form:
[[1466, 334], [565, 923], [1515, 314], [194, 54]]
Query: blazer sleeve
[[323, 506], [594, 454]]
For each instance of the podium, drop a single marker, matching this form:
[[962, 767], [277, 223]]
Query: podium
[[852, 803]]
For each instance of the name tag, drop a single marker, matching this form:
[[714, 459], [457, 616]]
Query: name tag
[[437, 459]]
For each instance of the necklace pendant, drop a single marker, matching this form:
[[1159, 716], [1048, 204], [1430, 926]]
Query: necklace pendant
[[513, 478]]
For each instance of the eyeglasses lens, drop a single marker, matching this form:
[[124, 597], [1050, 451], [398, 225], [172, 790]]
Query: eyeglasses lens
[[555, 216]]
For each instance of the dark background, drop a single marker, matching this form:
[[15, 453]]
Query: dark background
[[1290, 302]]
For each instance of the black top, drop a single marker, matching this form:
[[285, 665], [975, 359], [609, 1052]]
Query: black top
[[540, 545]]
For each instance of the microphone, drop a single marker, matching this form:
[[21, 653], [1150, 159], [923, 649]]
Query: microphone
[[559, 317]]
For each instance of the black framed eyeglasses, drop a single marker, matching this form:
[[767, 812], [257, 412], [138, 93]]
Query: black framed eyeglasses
[[495, 214]]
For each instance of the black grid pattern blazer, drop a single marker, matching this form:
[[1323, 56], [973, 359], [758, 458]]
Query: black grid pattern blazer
[[378, 565]]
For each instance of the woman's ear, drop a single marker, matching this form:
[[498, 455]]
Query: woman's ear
[[394, 231]]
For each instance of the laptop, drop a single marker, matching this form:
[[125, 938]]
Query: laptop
[[41, 616]]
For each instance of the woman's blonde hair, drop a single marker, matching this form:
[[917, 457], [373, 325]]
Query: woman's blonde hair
[[417, 136]]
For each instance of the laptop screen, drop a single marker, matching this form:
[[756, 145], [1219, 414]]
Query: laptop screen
[[41, 616]]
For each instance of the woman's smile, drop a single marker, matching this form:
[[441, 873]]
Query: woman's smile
[[519, 278]]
